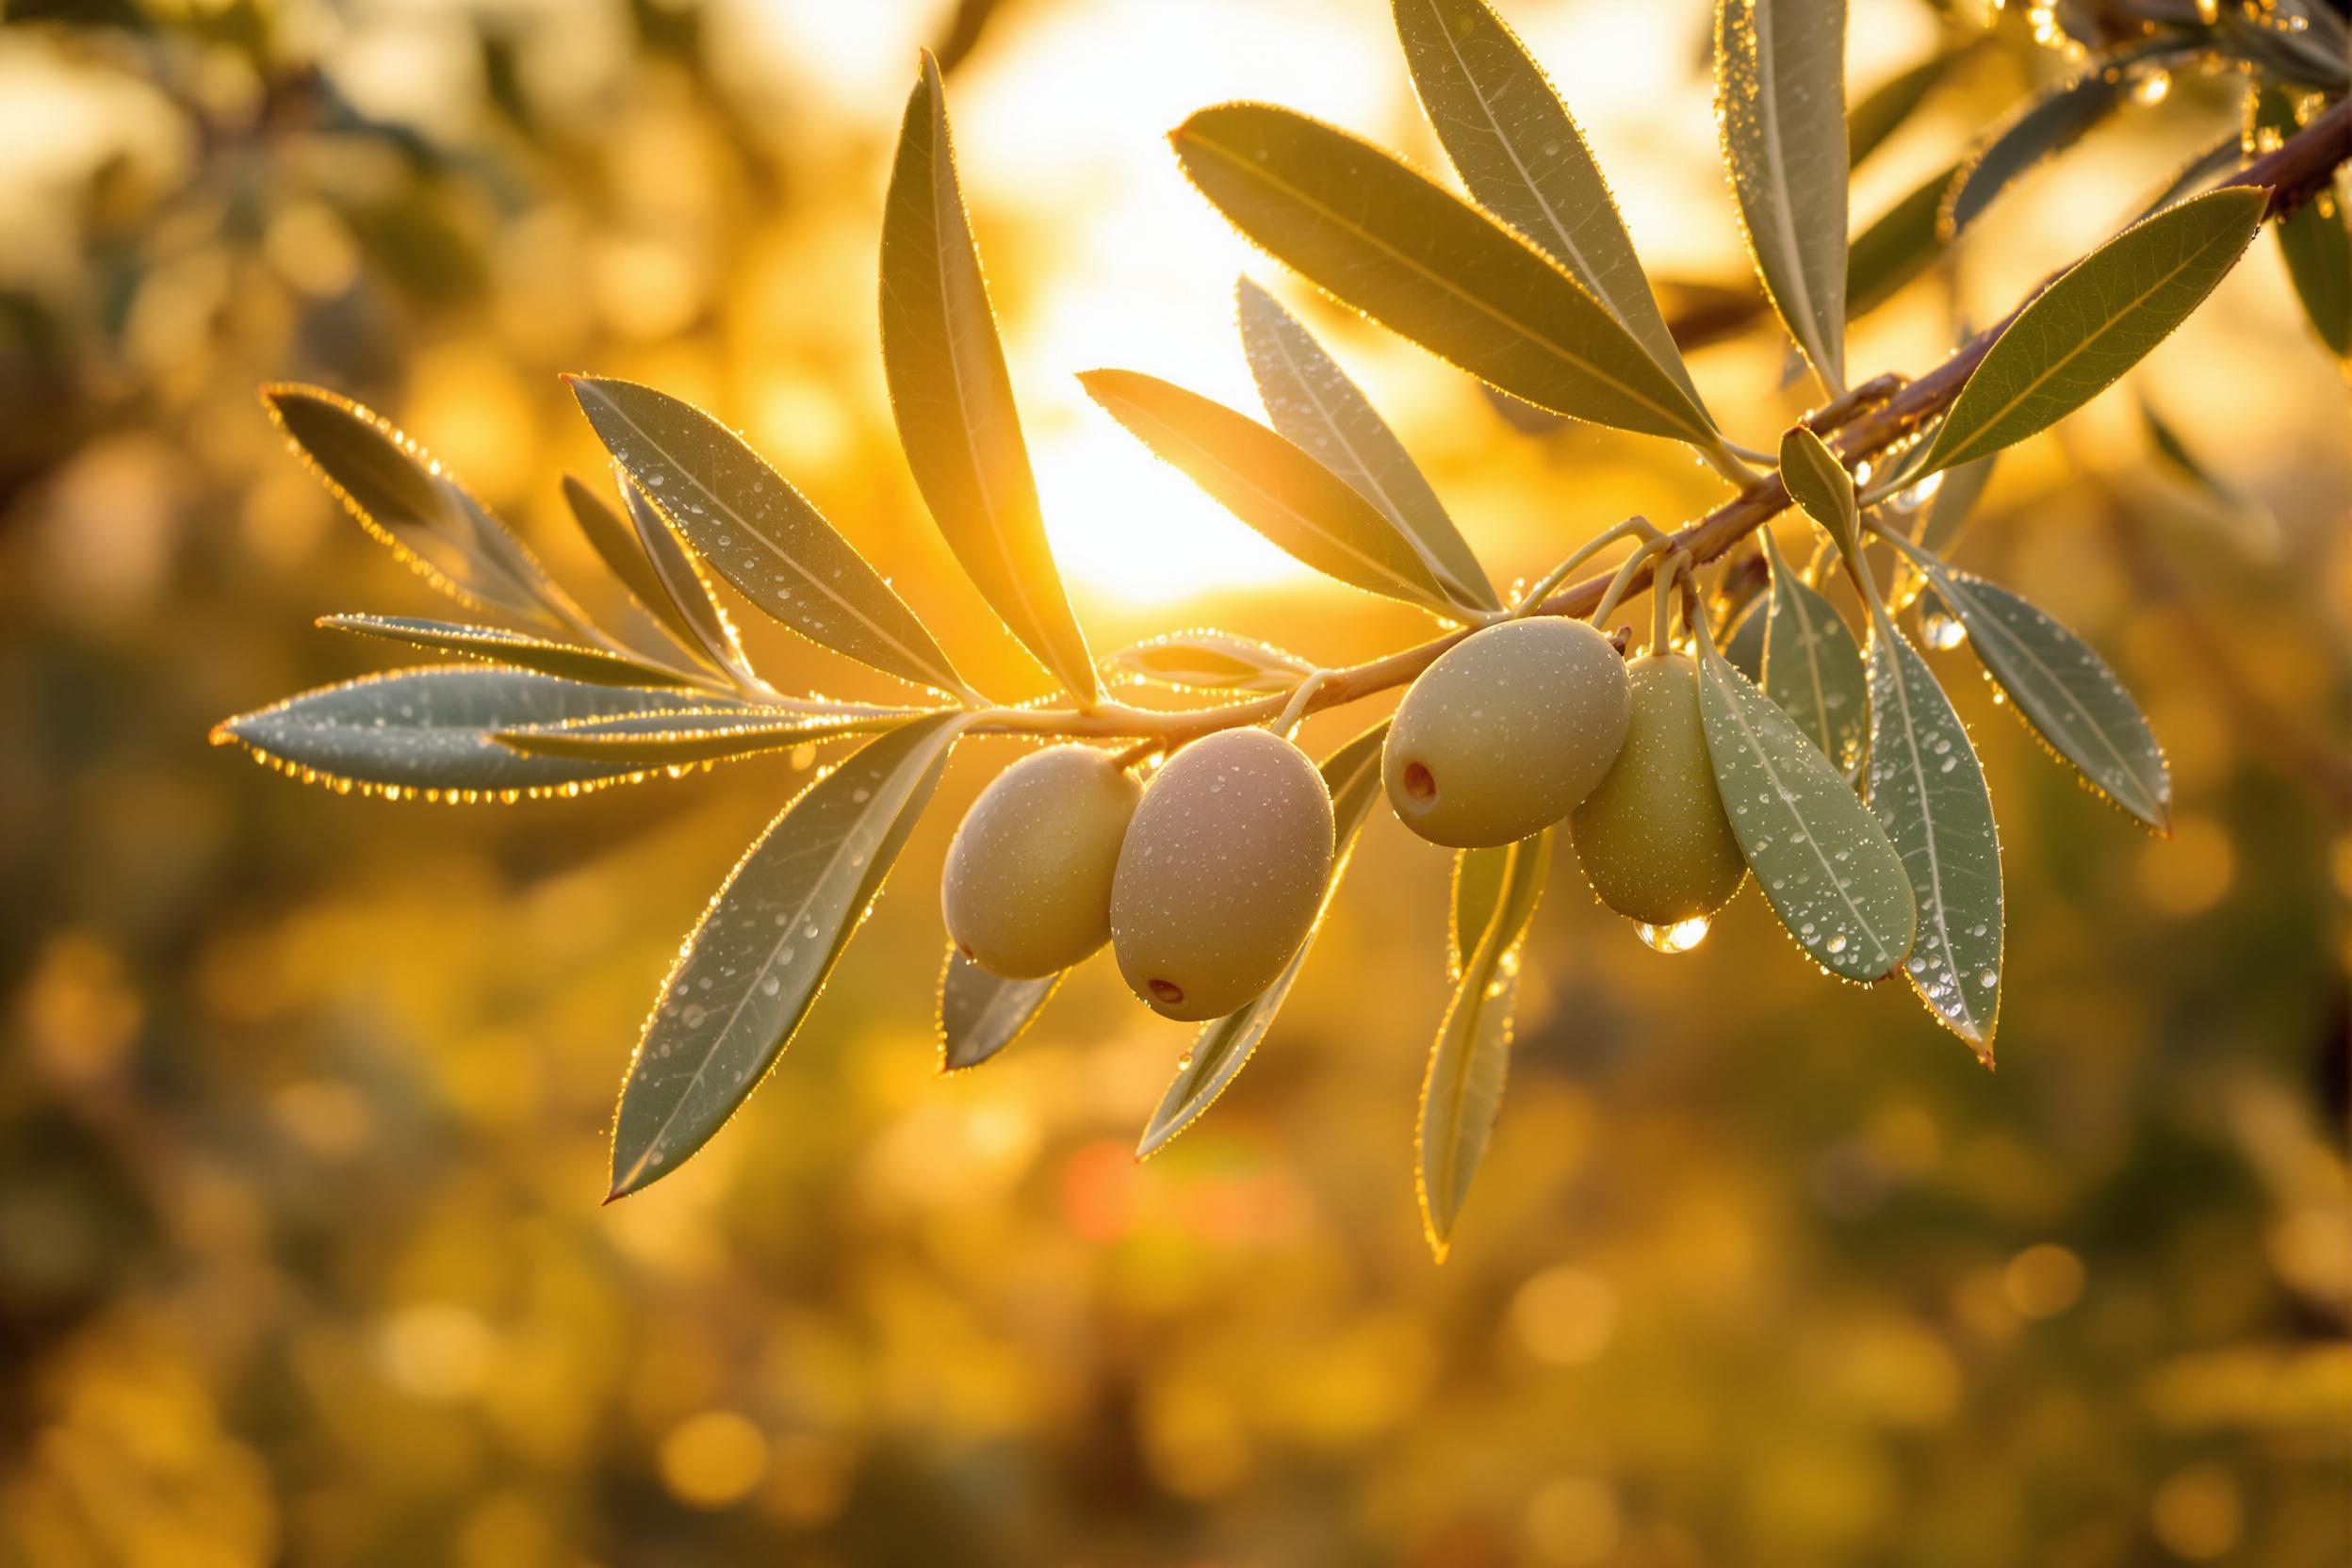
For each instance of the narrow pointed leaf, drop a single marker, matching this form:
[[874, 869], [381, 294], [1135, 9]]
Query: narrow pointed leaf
[[759, 533], [1887, 107], [690, 595], [498, 645], [1315, 406], [1813, 668], [429, 732], [980, 1014], [1224, 1046], [746, 977], [1954, 503], [1822, 860], [1273, 485], [2095, 322], [1927, 790], [2257, 526], [1744, 646], [615, 540], [692, 735], [1373, 233], [2316, 238], [1819, 483], [2047, 124], [1781, 100], [953, 397], [2062, 690], [1519, 151], [395, 490], [1462, 1091], [1900, 245], [1206, 660]]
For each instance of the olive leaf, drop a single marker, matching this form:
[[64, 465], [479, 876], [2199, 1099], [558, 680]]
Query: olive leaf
[[2062, 689], [395, 490], [759, 531], [980, 1014], [677, 739], [1315, 406], [1781, 101], [615, 543], [1224, 1045], [1463, 1089], [1376, 235], [1822, 860], [1519, 151], [2219, 157], [2257, 526], [1744, 646], [1888, 107], [1952, 504], [1818, 481], [1900, 245], [1927, 789], [2316, 238], [1812, 667], [569, 661], [745, 978], [953, 397], [2294, 40], [2095, 322], [428, 733], [1209, 660], [1271, 485], [2045, 125], [683, 579]]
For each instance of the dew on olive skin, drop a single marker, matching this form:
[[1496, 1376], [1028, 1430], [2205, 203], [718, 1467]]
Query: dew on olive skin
[[1027, 888], [1653, 837]]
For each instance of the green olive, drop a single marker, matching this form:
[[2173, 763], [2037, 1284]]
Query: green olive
[[1027, 890], [1506, 733], [1222, 874], [1653, 838]]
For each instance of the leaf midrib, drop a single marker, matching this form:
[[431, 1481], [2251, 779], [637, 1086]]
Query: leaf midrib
[[1966, 1019], [1951, 584]]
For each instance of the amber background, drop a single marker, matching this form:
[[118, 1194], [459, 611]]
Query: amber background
[[303, 1100]]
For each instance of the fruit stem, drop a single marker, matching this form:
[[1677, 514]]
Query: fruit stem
[[1662, 600], [1534, 598], [1295, 708], [1623, 583]]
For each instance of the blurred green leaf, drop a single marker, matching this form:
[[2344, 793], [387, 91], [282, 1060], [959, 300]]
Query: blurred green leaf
[[980, 1014], [1954, 503], [2095, 322], [1888, 107], [1376, 235], [1900, 245], [2294, 40], [2314, 238], [430, 731], [2222, 155], [1224, 1045], [1520, 153], [1273, 486], [954, 400], [1210, 661], [1463, 1089], [568, 660], [615, 540], [1314, 404], [1822, 860], [747, 976], [692, 735], [1780, 99], [759, 531], [1813, 667], [2046, 124]]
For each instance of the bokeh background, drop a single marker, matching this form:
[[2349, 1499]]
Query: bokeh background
[[304, 1099]]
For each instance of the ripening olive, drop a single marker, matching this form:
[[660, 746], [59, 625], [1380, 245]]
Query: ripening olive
[[1506, 733], [1221, 875], [1653, 838], [1027, 891]]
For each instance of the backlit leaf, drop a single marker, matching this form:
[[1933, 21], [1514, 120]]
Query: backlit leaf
[[1744, 646], [1463, 1089], [1313, 404], [1375, 235], [2314, 238], [1781, 101], [615, 543], [500, 647], [2097, 321], [692, 735], [2046, 124], [681, 577], [1900, 245], [746, 977], [1273, 485], [1224, 1045], [758, 533], [1813, 667], [1888, 107], [1823, 863], [1520, 153], [1817, 482], [1207, 661], [980, 1014], [954, 400]]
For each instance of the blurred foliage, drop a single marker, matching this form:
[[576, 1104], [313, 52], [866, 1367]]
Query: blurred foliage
[[304, 1099]]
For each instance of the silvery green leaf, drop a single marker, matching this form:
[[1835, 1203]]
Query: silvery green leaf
[[980, 1014], [2046, 124], [953, 397], [1818, 481], [2062, 689], [1206, 660], [1315, 405], [2095, 322], [1813, 668], [1519, 151], [1744, 646], [1822, 860], [693, 734], [691, 599], [1888, 107], [615, 543], [1900, 245], [2315, 237], [759, 533], [1927, 789], [1781, 101], [428, 733], [1224, 1046], [1463, 1089], [1421, 261], [745, 978], [497, 646], [1271, 485]]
